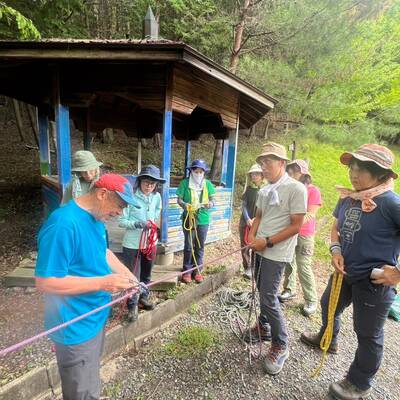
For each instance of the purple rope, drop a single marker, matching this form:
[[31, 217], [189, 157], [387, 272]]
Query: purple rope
[[32, 339]]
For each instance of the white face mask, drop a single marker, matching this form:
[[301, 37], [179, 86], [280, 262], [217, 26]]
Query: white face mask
[[198, 177]]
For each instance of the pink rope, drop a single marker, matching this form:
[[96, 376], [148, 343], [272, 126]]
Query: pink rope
[[32, 339]]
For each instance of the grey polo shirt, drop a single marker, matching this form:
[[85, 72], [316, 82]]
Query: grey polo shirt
[[275, 218]]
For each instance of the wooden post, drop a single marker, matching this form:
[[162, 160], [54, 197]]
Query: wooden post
[[166, 154], [32, 113], [187, 158], [18, 120], [292, 148], [224, 169], [63, 138], [44, 143]]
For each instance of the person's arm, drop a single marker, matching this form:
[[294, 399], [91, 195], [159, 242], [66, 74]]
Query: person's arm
[[73, 285], [254, 227], [245, 211], [311, 213], [337, 259], [389, 277], [124, 221]]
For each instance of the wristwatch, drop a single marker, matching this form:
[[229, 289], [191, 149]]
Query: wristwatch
[[269, 242]]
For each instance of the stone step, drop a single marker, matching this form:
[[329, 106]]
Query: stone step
[[20, 277]]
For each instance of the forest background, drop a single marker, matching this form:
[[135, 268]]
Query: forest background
[[334, 65]]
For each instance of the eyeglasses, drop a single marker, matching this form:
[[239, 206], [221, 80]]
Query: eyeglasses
[[149, 183]]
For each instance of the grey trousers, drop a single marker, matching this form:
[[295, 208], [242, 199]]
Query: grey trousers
[[268, 275], [79, 367]]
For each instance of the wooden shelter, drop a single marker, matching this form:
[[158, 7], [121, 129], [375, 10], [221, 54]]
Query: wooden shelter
[[142, 87]]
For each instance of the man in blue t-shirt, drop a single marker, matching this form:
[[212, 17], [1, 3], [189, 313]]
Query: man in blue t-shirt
[[77, 273]]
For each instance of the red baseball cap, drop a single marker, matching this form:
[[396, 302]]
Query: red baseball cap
[[119, 185]]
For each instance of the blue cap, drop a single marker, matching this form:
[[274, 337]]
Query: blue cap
[[120, 186], [152, 172], [199, 164]]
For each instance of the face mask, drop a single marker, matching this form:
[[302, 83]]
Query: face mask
[[198, 177]]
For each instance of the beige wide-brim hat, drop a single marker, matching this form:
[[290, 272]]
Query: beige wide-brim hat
[[380, 155], [255, 168], [273, 149], [84, 160]]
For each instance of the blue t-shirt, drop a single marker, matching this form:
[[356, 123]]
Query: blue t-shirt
[[369, 239], [72, 242]]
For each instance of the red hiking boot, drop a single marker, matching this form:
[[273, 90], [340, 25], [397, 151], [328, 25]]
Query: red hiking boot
[[199, 278]]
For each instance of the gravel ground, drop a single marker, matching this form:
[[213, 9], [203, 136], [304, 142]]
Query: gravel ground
[[224, 372]]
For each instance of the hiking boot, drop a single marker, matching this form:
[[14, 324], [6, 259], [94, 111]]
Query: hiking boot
[[257, 332], [199, 278], [275, 358], [345, 390], [145, 303], [247, 273], [186, 278], [309, 308], [314, 340], [286, 295], [133, 313]]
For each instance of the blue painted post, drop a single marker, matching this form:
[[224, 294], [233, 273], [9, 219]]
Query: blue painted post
[[166, 172], [232, 146], [44, 143], [224, 169], [187, 158], [63, 138]]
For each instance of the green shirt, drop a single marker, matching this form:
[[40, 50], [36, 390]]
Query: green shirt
[[203, 215]]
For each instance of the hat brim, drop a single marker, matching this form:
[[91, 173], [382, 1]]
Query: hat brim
[[90, 168], [160, 180], [128, 199], [346, 157], [205, 170], [299, 166], [270, 153]]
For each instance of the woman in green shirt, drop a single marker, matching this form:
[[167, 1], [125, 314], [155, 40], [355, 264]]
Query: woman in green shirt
[[195, 194]]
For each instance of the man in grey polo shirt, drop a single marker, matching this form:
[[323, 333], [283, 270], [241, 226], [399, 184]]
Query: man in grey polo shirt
[[281, 206]]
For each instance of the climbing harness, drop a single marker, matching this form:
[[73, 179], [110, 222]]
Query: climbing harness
[[326, 338]]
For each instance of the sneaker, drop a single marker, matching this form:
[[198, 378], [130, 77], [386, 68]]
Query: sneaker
[[286, 295], [257, 332], [247, 273], [345, 390], [198, 278], [133, 313], [145, 303], [275, 358], [309, 308], [186, 278], [314, 340]]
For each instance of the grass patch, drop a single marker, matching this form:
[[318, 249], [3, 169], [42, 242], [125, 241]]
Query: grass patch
[[173, 292], [214, 269], [193, 309], [193, 341]]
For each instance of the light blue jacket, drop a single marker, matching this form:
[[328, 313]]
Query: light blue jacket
[[150, 209]]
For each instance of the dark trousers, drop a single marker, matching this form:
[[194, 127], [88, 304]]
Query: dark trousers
[[79, 367], [143, 269], [198, 246], [371, 304], [246, 253], [268, 275]]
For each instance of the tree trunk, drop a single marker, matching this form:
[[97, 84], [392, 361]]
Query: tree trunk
[[238, 36], [18, 120], [215, 166]]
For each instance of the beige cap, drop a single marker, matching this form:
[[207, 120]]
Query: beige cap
[[273, 149]]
